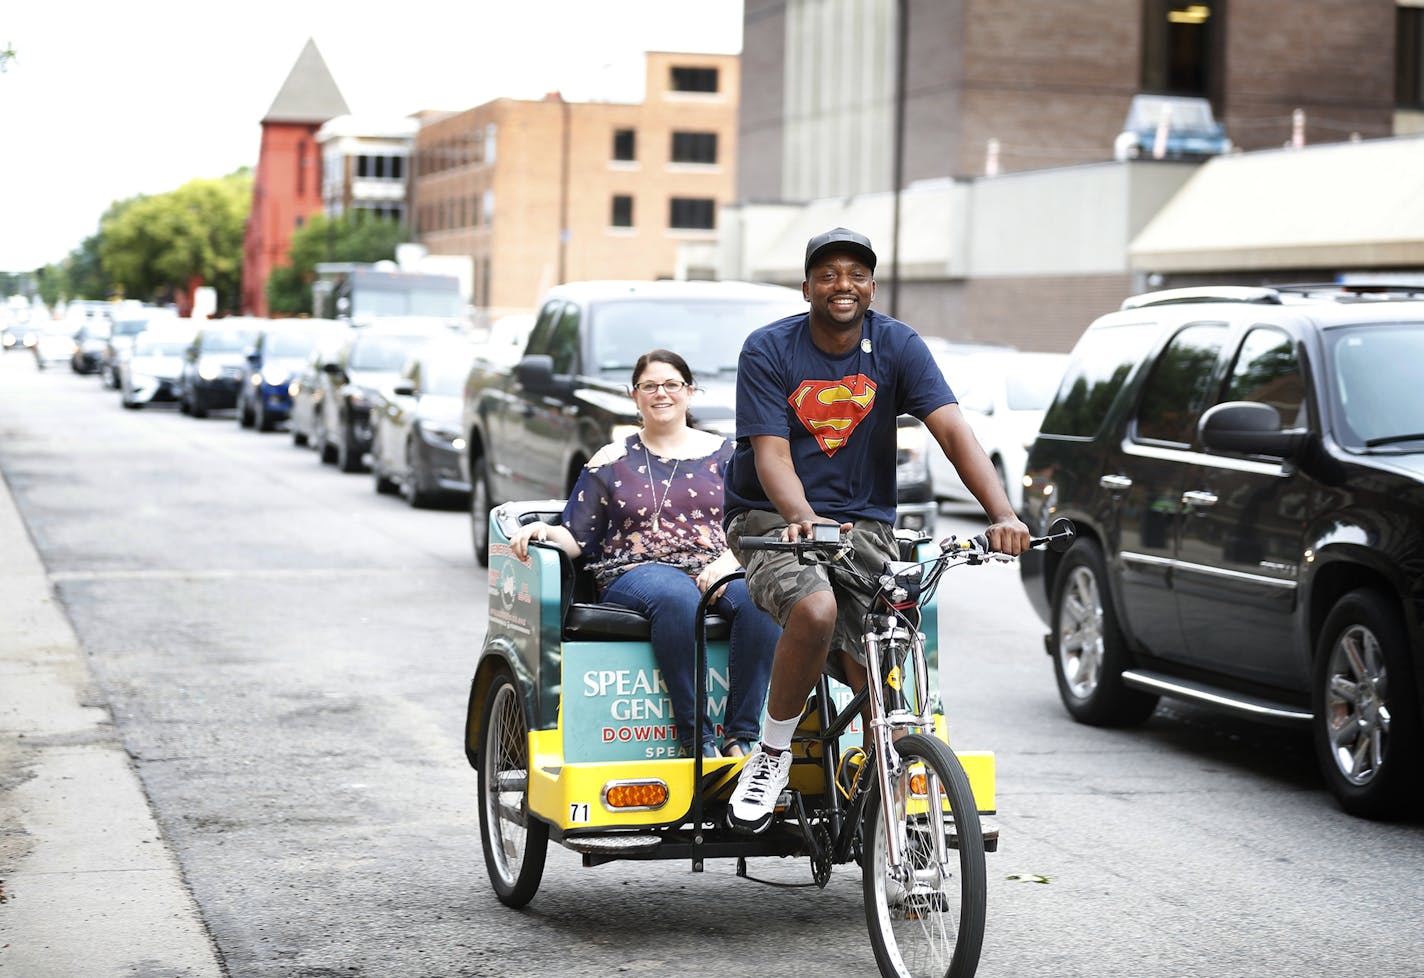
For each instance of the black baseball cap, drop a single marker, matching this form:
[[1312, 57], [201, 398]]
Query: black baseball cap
[[840, 239]]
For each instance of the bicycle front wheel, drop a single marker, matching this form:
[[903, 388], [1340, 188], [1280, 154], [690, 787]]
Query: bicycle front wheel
[[926, 915]]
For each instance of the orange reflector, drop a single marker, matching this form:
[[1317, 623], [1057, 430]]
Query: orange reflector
[[635, 794], [919, 785]]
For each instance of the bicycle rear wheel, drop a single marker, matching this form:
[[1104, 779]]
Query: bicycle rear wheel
[[926, 917], [514, 840]]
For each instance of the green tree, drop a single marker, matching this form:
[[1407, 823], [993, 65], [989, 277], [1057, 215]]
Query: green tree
[[87, 278], [153, 247], [52, 283], [353, 237]]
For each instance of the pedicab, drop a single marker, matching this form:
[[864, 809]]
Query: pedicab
[[571, 733]]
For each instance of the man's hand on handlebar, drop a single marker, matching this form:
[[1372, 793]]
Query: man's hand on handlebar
[[1009, 536]]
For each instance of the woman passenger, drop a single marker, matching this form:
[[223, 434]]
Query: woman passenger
[[646, 517]]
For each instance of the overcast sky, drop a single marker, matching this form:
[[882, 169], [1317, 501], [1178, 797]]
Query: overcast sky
[[105, 100]]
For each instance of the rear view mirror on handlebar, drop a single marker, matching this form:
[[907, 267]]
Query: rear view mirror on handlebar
[[1061, 534]]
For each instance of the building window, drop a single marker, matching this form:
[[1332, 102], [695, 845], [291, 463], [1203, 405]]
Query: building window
[[625, 145], [693, 213], [622, 216], [301, 168], [694, 147], [1178, 47], [694, 79], [487, 207], [1409, 58], [489, 142]]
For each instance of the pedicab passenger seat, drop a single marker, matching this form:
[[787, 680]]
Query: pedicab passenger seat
[[587, 620], [909, 541]]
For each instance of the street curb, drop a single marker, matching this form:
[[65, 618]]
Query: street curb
[[88, 885]]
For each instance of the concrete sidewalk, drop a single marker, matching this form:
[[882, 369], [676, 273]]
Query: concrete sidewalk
[[88, 886]]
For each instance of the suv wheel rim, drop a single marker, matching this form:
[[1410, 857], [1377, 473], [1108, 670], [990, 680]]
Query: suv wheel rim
[[1080, 633], [1356, 714]]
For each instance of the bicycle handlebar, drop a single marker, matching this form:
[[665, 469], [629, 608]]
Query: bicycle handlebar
[[1059, 537]]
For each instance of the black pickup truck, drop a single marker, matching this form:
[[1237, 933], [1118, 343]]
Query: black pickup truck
[[530, 428]]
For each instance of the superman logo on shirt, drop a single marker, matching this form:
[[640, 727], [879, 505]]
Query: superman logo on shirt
[[831, 409]]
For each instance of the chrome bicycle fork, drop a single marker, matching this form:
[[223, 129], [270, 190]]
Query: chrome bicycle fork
[[890, 710]]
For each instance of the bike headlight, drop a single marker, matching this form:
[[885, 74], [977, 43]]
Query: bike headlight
[[209, 369], [276, 378]]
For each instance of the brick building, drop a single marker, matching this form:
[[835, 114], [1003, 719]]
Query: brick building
[[542, 192], [1029, 260], [286, 188]]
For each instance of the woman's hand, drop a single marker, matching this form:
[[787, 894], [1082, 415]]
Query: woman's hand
[[715, 571], [519, 543]]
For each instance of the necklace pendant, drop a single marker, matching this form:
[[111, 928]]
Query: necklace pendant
[[655, 524]]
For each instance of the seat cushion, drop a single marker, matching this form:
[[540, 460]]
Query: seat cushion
[[586, 622]]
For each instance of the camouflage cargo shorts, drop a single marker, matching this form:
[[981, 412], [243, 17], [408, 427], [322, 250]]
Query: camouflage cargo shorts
[[776, 581]]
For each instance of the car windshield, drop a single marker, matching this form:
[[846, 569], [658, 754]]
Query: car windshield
[[227, 341], [708, 333], [149, 346], [1189, 114], [1376, 404], [128, 327], [289, 345], [383, 353], [446, 376]]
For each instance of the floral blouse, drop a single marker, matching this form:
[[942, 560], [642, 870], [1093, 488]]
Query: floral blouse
[[631, 506]]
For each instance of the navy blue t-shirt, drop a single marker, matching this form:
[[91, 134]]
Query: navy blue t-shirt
[[838, 413]]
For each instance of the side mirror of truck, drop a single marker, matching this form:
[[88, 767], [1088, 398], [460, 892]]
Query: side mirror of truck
[[535, 372], [1249, 427]]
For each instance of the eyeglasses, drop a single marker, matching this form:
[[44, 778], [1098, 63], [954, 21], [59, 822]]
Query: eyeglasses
[[671, 386]]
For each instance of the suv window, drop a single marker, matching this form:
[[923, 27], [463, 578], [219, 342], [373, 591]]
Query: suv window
[[563, 344], [1267, 371], [539, 336], [1102, 361], [1177, 389]]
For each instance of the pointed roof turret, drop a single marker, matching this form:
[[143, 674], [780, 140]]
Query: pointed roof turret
[[309, 94]]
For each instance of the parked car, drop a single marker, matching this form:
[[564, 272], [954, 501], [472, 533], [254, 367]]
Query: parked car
[[1245, 467], [1003, 396], [416, 442], [308, 386], [89, 343], [1170, 127], [149, 368], [128, 319], [275, 360], [54, 342], [212, 366], [370, 358]]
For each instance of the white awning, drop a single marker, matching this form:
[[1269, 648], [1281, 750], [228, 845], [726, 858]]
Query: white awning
[[1337, 205]]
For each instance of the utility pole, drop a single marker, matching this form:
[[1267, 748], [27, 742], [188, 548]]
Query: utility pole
[[901, 45]]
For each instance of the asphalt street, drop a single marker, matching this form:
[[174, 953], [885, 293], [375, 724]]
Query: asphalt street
[[232, 686]]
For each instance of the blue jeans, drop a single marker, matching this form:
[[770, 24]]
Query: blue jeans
[[669, 597]]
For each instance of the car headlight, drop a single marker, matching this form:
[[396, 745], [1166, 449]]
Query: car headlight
[[438, 435], [209, 369]]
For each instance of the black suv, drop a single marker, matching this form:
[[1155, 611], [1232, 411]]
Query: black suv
[[1246, 470]]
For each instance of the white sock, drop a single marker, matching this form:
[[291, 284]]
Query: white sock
[[776, 734]]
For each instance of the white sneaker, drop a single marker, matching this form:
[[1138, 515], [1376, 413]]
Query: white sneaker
[[754, 799]]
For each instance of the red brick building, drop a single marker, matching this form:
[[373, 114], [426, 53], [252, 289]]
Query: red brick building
[[286, 189]]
